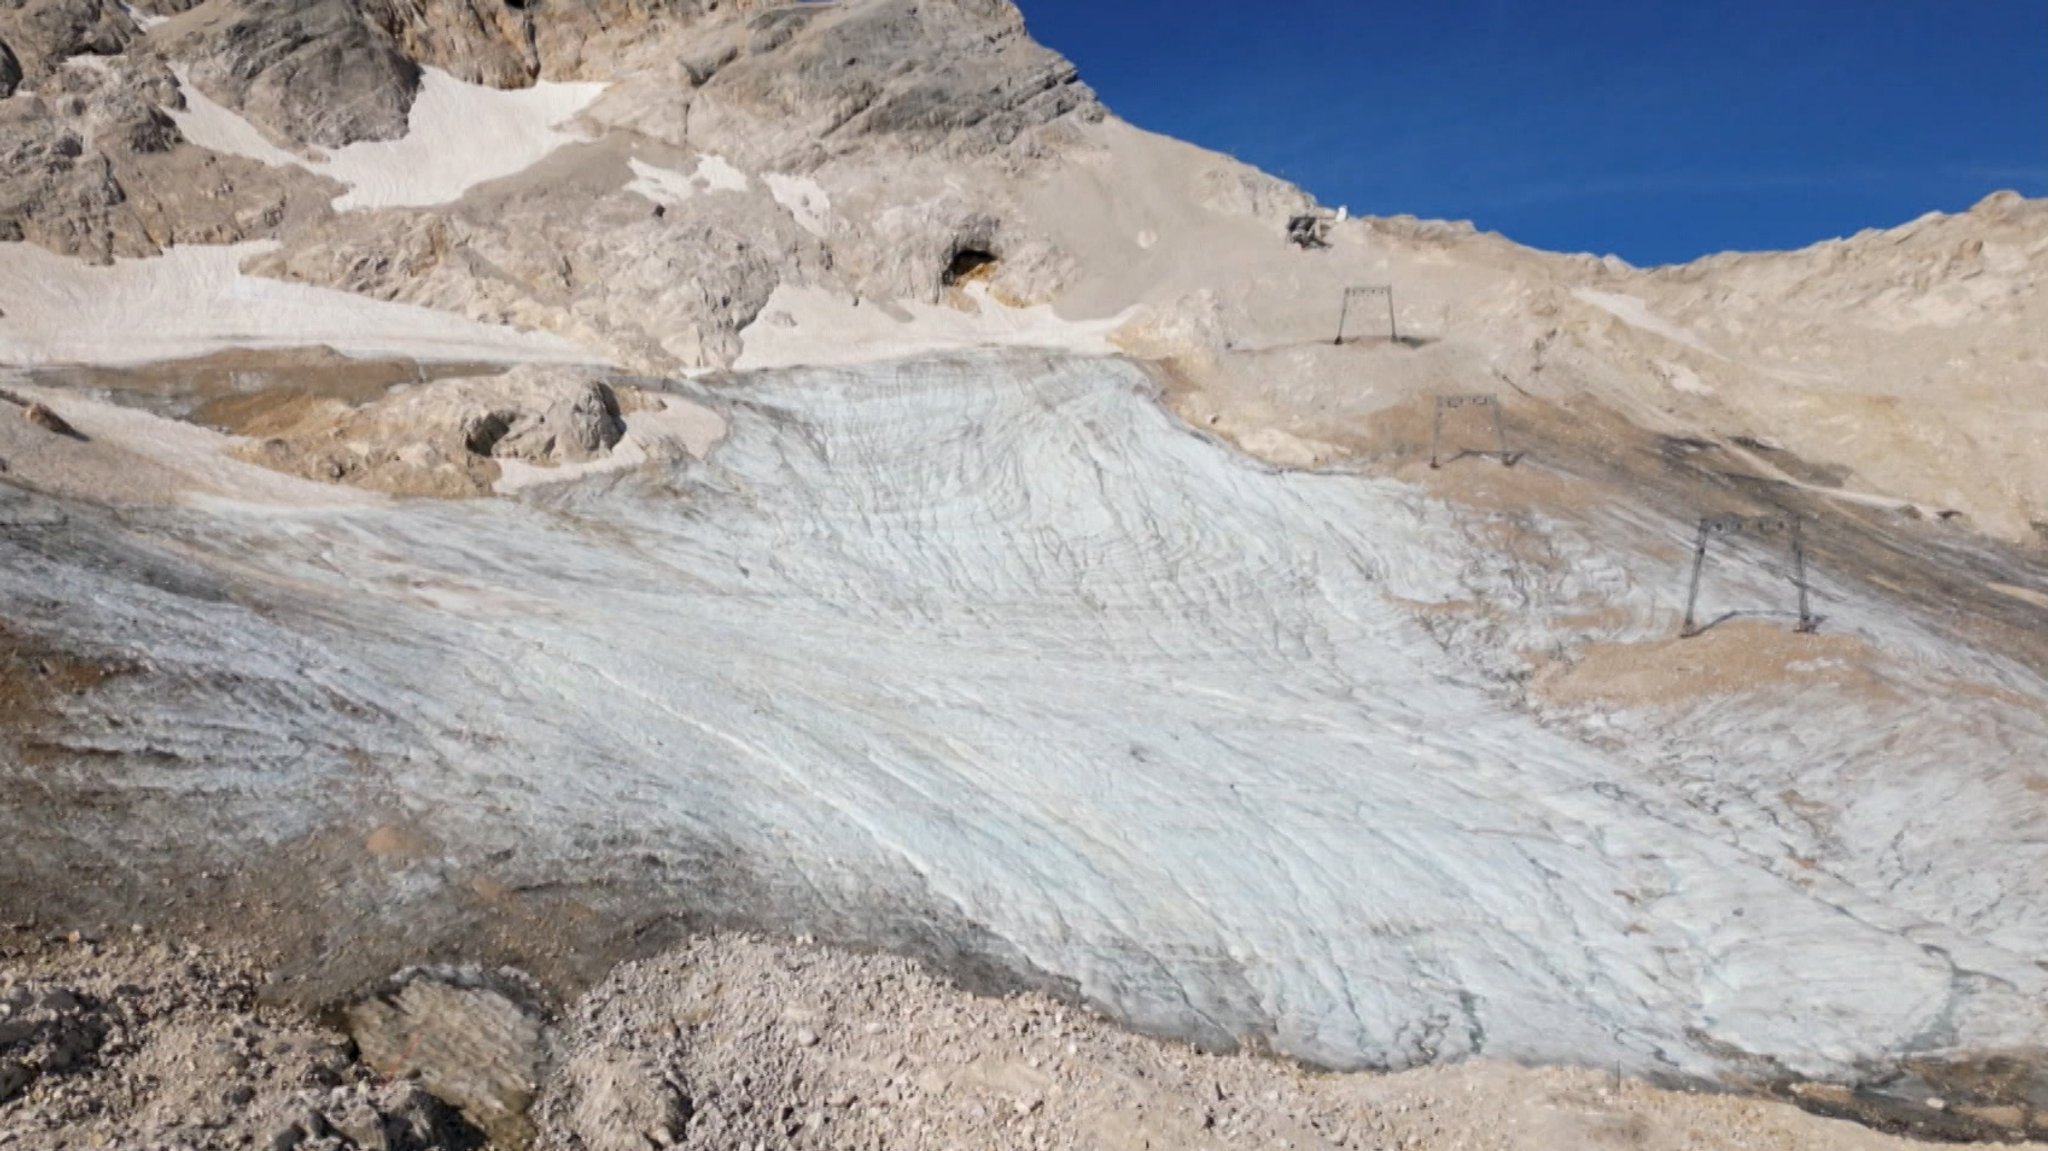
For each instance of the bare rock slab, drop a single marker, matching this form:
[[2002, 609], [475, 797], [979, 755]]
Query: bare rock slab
[[469, 1045]]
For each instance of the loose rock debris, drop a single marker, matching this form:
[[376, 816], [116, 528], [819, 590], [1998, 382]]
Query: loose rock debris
[[736, 1042]]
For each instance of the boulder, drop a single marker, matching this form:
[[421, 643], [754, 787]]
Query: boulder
[[580, 425], [586, 424], [49, 421], [313, 71], [470, 1045]]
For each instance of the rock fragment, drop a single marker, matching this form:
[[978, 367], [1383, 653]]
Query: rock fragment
[[470, 1045], [49, 421]]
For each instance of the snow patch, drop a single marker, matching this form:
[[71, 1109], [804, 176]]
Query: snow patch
[[458, 135], [193, 301], [143, 20], [803, 197], [1684, 379], [198, 468], [670, 187], [218, 128], [719, 174], [828, 329], [660, 185], [1636, 314]]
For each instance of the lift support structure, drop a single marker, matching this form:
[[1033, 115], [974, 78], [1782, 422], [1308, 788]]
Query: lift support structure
[[1485, 400], [1762, 526]]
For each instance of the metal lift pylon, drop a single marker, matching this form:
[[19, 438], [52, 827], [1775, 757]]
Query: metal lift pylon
[[1364, 292], [1475, 400], [1712, 526]]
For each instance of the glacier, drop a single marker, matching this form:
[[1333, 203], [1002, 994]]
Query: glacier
[[996, 636]]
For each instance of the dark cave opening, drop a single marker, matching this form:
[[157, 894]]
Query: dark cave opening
[[969, 265]]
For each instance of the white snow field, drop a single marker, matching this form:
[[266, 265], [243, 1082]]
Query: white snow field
[[458, 135], [196, 300], [997, 635]]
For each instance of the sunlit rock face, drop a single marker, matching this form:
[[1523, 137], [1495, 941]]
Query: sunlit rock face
[[997, 643]]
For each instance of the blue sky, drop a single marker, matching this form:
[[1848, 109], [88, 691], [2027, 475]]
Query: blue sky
[[1657, 131]]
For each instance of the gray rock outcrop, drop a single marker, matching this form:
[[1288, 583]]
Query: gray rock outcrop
[[91, 166], [42, 34], [579, 426], [917, 94], [312, 71], [790, 87]]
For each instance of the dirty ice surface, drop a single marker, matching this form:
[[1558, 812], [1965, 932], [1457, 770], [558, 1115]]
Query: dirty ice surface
[[998, 635]]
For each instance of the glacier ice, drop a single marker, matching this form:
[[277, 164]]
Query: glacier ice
[[997, 633]]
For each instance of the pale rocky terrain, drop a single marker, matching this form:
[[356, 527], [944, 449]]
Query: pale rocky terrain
[[735, 1042], [492, 492]]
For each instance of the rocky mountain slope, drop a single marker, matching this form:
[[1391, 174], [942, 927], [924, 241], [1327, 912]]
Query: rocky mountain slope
[[712, 156], [536, 480]]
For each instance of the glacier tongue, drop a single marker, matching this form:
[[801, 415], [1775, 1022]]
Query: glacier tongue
[[997, 633]]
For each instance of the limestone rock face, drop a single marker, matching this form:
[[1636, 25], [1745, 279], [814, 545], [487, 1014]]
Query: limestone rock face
[[790, 87], [91, 166], [48, 161], [913, 116], [481, 41], [313, 71], [659, 291], [41, 34]]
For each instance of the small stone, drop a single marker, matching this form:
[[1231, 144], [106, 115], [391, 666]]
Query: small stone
[[805, 1037], [1937, 1103], [14, 1076], [48, 420]]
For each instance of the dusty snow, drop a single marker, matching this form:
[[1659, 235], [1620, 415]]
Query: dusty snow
[[214, 126], [143, 20], [192, 301], [176, 462], [668, 186], [805, 199], [1684, 379], [661, 185], [1636, 314], [459, 135], [829, 329]]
